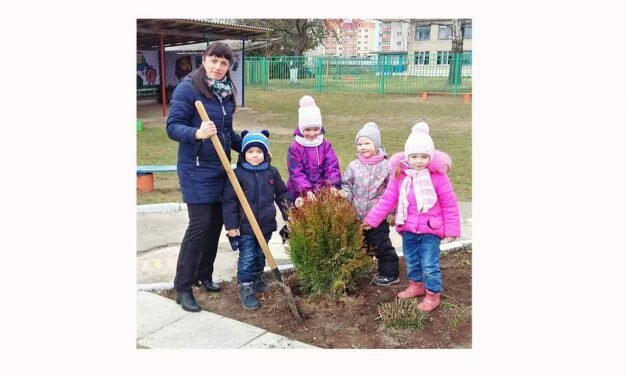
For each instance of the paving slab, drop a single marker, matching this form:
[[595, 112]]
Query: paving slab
[[154, 312], [274, 341], [202, 330]]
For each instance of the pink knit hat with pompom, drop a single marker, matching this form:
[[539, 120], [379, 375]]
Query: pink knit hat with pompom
[[308, 114]]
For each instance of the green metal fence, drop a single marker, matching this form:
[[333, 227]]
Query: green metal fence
[[383, 74]]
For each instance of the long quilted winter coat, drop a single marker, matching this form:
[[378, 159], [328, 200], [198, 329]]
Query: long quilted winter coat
[[200, 172]]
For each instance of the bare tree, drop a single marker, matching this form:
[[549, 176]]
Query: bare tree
[[457, 49], [295, 35]]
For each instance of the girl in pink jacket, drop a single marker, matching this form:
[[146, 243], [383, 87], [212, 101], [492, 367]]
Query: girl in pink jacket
[[427, 212]]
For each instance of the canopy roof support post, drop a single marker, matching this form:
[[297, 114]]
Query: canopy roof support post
[[243, 70], [163, 97]]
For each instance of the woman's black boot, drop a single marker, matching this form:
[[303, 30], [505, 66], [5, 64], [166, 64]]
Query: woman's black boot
[[187, 301]]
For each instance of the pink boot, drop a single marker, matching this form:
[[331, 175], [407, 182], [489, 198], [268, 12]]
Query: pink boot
[[414, 289], [430, 302]]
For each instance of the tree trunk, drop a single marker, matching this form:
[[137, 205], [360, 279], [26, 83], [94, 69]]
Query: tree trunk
[[301, 42], [455, 67]]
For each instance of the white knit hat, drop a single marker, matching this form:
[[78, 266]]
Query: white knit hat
[[308, 113], [419, 140]]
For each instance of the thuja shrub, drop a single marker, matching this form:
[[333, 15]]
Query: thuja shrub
[[325, 245]]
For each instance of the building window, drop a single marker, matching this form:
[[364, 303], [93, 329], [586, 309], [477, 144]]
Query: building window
[[398, 43], [445, 32], [444, 58], [467, 58], [421, 58], [423, 32], [467, 32]]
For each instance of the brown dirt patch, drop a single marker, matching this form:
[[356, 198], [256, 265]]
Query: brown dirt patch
[[352, 321]]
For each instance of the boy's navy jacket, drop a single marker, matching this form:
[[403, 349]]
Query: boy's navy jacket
[[201, 175], [262, 189]]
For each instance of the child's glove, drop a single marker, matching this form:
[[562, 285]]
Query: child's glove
[[299, 202], [234, 240], [391, 220], [285, 233], [339, 192]]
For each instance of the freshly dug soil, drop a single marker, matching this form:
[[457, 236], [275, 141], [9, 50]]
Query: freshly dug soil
[[352, 321]]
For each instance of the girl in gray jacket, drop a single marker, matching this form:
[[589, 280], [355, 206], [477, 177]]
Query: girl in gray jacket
[[363, 183]]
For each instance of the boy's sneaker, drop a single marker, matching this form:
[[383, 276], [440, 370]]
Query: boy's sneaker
[[260, 284], [247, 296], [381, 280]]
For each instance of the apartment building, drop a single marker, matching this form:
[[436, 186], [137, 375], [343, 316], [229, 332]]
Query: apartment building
[[394, 36], [354, 39], [430, 43]]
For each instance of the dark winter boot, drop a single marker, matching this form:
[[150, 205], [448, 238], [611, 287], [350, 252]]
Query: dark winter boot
[[247, 296], [260, 284], [381, 280], [210, 285], [187, 301]]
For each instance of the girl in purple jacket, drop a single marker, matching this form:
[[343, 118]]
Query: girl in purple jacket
[[311, 160], [427, 213]]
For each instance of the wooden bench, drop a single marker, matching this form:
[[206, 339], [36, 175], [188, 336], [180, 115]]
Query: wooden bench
[[145, 178], [148, 92], [148, 95]]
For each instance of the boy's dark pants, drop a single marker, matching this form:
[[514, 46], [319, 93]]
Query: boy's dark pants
[[378, 240]]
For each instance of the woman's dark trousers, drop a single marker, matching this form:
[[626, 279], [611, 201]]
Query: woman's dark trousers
[[200, 245]]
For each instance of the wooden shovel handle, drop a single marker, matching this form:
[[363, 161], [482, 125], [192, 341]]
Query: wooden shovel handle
[[238, 189]]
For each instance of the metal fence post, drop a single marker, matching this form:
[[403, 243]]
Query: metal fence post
[[457, 73], [381, 74], [319, 74]]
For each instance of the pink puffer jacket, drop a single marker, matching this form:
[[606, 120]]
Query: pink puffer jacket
[[441, 220]]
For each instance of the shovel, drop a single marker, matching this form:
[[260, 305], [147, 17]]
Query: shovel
[[249, 213]]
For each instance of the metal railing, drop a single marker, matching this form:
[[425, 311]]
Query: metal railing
[[383, 74]]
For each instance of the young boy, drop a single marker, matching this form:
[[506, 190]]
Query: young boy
[[263, 186]]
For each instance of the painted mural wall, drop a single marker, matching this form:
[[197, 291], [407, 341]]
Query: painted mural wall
[[178, 65], [147, 68]]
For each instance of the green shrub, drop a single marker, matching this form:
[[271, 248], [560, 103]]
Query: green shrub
[[326, 245]]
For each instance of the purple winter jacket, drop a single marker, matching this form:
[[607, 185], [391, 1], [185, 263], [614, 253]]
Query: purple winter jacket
[[311, 167], [441, 220]]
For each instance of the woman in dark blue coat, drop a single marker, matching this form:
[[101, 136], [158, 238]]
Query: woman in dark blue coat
[[201, 175]]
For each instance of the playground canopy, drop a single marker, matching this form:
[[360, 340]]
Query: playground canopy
[[160, 33]]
